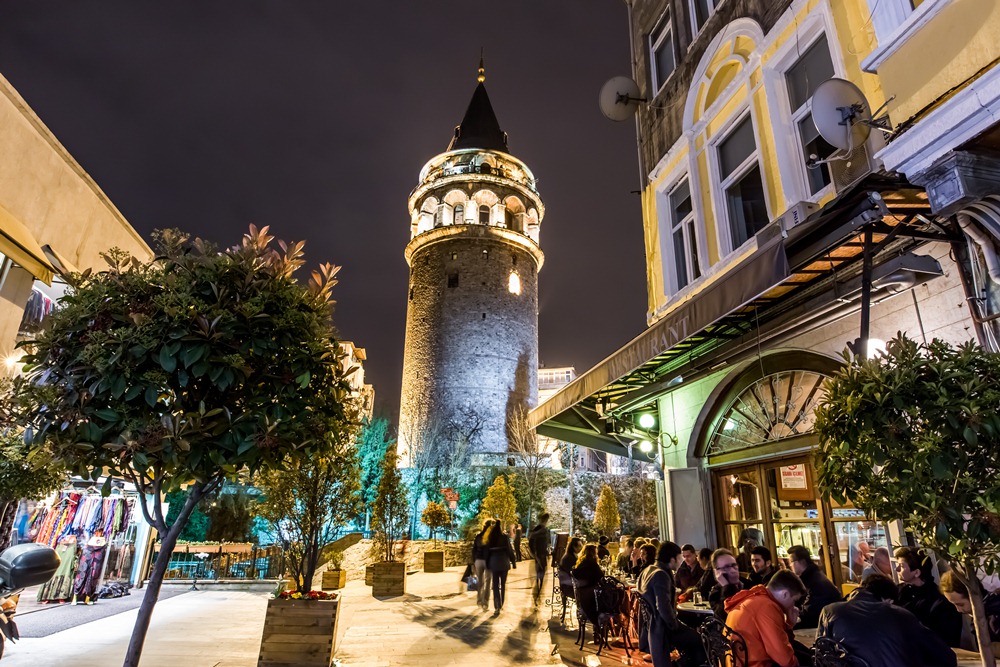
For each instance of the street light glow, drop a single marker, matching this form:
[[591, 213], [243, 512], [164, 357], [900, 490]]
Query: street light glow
[[646, 420], [645, 446]]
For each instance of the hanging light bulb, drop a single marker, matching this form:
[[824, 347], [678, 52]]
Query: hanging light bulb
[[645, 446], [647, 420]]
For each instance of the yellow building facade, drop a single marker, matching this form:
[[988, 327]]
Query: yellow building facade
[[756, 230], [53, 218]]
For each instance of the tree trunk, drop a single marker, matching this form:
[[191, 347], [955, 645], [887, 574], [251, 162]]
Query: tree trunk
[[169, 541], [8, 510], [979, 621]]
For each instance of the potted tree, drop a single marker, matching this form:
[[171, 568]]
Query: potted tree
[[435, 517], [607, 519], [183, 372], [390, 515], [335, 576], [912, 435]]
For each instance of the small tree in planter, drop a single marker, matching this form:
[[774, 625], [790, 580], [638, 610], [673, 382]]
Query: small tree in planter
[[913, 435], [499, 503], [607, 520], [306, 505], [435, 517], [390, 516], [196, 367]]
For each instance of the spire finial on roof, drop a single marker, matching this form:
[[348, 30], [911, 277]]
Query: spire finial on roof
[[482, 68]]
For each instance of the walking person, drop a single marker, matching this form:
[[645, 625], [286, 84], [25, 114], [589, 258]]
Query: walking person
[[518, 533], [539, 544], [479, 555], [499, 561]]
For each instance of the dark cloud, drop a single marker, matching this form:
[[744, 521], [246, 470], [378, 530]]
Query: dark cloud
[[316, 117]]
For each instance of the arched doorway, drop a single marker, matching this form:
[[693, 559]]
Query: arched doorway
[[757, 437]]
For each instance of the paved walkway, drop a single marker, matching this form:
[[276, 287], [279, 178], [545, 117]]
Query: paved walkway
[[436, 623]]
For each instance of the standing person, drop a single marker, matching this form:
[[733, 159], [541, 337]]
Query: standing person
[[820, 590], [518, 532], [539, 545], [480, 552], [749, 538], [665, 632], [588, 574], [499, 561], [919, 594], [763, 570], [764, 616], [879, 632], [689, 573]]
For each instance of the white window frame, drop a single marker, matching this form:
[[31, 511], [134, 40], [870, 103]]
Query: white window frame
[[692, 247], [895, 22], [664, 30], [695, 28], [788, 145], [719, 199], [798, 115]]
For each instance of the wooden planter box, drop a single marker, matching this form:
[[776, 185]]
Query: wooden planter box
[[389, 579], [299, 633], [433, 561], [369, 574], [334, 579]]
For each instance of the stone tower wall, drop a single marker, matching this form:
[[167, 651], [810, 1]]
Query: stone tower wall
[[471, 345]]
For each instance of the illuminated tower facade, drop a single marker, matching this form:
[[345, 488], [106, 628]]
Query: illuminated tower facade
[[471, 352]]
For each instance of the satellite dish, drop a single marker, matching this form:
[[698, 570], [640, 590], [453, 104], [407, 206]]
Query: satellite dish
[[841, 114], [619, 98]]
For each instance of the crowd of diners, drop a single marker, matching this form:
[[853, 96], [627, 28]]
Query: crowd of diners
[[916, 622]]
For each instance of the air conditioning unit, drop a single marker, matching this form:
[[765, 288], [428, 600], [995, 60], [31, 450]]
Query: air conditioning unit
[[796, 214], [848, 169]]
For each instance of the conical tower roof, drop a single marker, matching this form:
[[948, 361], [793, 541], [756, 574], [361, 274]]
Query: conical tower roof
[[480, 127]]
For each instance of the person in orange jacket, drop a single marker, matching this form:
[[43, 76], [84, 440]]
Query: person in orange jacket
[[763, 615]]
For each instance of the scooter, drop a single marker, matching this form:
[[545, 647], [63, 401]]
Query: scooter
[[21, 566]]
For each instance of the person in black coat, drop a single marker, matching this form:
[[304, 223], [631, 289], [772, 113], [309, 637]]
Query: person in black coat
[[587, 574], [822, 591], [500, 560], [728, 582], [920, 595], [875, 630], [566, 566], [664, 632]]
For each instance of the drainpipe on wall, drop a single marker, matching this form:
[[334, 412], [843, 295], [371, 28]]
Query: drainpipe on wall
[[985, 243]]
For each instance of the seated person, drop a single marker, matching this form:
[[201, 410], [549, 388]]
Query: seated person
[[763, 570], [689, 572], [647, 557], [624, 558], [881, 564], [656, 586], [919, 594], [602, 548], [635, 564], [587, 574], [749, 538], [566, 566], [707, 581], [764, 615], [958, 594], [727, 581], [820, 590], [870, 627]]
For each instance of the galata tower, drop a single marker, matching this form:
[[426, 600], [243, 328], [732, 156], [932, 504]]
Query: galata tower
[[471, 352]]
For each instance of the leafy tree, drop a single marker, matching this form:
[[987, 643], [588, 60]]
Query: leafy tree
[[532, 461], [606, 517], [230, 515], [435, 517], [913, 435], [183, 371], [196, 528], [376, 437], [22, 477], [500, 502], [391, 511], [307, 504]]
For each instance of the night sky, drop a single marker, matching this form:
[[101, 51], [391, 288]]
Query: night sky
[[316, 117]]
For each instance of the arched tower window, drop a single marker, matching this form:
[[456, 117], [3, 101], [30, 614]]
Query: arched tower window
[[459, 215], [484, 215], [508, 218]]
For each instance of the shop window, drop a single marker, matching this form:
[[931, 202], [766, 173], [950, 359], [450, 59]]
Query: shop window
[[458, 217], [801, 80], [661, 52], [739, 170], [701, 10], [681, 252]]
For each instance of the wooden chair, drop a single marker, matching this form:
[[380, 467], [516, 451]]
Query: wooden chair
[[724, 646], [828, 652]]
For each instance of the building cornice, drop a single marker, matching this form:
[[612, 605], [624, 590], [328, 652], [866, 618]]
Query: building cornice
[[443, 234]]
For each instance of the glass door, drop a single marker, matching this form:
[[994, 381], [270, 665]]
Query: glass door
[[741, 504], [796, 511]]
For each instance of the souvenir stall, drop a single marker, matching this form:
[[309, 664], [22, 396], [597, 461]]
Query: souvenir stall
[[96, 538]]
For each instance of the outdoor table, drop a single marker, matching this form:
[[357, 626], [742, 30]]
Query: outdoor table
[[703, 608]]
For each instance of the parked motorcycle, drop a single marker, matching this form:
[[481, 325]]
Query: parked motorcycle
[[21, 566]]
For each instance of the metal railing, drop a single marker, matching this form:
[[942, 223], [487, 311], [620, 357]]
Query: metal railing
[[224, 562]]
